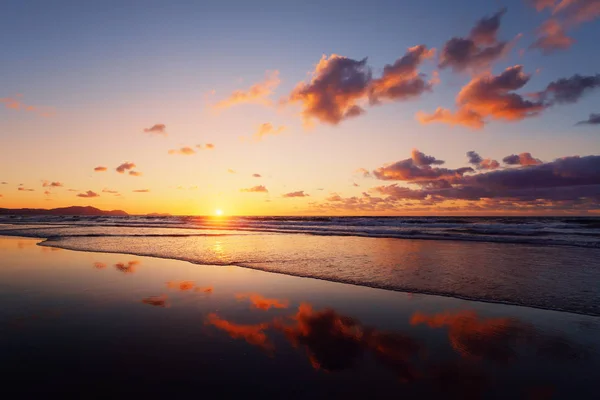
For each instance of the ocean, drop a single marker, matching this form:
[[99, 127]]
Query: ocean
[[544, 262]]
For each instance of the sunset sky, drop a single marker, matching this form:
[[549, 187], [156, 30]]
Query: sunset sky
[[301, 107]]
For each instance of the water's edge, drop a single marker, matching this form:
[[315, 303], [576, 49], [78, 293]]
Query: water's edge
[[56, 243]]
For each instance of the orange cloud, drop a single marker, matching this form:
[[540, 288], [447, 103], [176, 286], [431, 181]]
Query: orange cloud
[[363, 171], [141, 191], [552, 37], [181, 285], [299, 193], [267, 129], [261, 302], [52, 184], [127, 268], [109, 191], [521, 159], [540, 5], [99, 265], [255, 189], [160, 129], [100, 169], [207, 146], [23, 189], [14, 103], [252, 334], [184, 151], [135, 173], [338, 84], [88, 194], [489, 97], [230, 171], [257, 94], [402, 80], [124, 167], [206, 289], [477, 51], [157, 301]]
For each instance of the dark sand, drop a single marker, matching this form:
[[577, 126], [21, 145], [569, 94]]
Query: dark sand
[[110, 325]]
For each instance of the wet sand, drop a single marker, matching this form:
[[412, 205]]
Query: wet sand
[[98, 324]]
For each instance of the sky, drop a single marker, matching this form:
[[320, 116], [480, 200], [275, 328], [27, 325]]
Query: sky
[[301, 107]]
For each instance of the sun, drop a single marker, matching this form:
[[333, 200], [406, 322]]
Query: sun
[[218, 212]]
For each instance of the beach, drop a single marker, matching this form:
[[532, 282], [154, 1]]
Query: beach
[[100, 324]]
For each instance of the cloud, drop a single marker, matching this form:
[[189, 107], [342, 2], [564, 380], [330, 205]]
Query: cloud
[[255, 189], [489, 97], [184, 151], [566, 14], [160, 129], [521, 159], [262, 303], [105, 190], [299, 193], [402, 79], [15, 103], [141, 191], [364, 172], [47, 192], [568, 90], [540, 5], [99, 265], [135, 173], [340, 87], [481, 163], [256, 175], [418, 168], [477, 51], [552, 37], [230, 171], [258, 93], [576, 12], [252, 334], [337, 84], [23, 189], [3, 183], [124, 167], [88, 194], [52, 184], [100, 169], [207, 146], [594, 119], [157, 301], [267, 129], [566, 185]]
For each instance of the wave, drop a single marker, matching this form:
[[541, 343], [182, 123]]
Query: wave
[[560, 231]]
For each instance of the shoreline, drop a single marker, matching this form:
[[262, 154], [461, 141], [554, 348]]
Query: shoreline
[[48, 242]]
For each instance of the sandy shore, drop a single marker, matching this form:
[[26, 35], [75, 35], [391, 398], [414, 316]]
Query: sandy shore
[[99, 324]]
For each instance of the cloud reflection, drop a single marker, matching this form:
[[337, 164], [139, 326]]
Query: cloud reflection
[[252, 334], [262, 303], [127, 268]]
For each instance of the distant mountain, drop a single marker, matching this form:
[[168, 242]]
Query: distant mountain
[[158, 215], [75, 210]]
